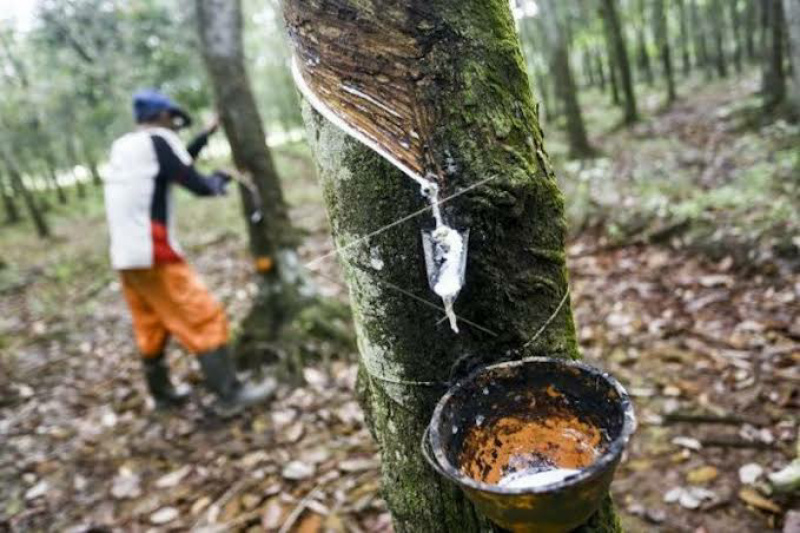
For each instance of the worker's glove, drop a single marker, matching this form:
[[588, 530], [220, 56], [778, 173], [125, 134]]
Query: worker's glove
[[219, 182]]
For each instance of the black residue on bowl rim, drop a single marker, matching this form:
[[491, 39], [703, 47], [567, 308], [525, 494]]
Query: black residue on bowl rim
[[610, 455]]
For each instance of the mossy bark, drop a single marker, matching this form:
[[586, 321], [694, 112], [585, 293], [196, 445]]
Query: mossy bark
[[516, 275]]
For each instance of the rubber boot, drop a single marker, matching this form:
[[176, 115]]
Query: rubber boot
[[233, 396], [156, 373]]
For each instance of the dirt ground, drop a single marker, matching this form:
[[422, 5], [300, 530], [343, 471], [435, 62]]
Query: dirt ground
[[709, 350]]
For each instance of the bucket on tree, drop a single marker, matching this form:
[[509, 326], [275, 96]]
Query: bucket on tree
[[533, 443]]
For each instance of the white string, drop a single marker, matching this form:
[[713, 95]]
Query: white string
[[396, 222]]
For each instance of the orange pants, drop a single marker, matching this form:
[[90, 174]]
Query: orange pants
[[170, 299]]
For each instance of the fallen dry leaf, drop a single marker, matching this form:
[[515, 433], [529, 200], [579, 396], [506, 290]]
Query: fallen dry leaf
[[751, 497]]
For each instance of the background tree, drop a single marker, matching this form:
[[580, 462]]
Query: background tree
[[567, 92], [791, 10], [664, 51], [715, 11], [683, 24], [608, 9], [774, 78], [272, 237], [9, 203], [517, 219], [642, 54]]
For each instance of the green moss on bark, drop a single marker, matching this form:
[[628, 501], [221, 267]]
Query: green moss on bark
[[486, 127]]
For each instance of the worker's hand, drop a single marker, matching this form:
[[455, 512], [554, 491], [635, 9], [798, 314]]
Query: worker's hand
[[221, 181]]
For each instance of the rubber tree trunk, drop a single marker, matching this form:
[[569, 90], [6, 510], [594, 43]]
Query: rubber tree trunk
[[9, 205], [561, 70], [272, 237], [700, 41], [587, 69], [791, 11], [662, 40], [642, 55], [18, 186], [718, 34], [736, 31], [52, 177], [683, 24], [613, 77], [774, 77], [601, 71], [611, 19], [750, 28], [72, 157], [516, 275]]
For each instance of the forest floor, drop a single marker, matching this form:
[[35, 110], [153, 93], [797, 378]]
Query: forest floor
[[684, 276]]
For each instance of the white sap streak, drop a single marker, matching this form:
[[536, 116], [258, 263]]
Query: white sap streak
[[529, 479], [352, 90]]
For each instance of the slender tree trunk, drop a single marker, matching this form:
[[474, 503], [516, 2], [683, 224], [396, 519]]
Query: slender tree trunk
[[562, 71], [516, 274], [588, 68], [52, 177], [9, 205], [774, 77], [750, 28], [546, 95], [91, 164], [613, 76], [18, 186], [643, 57], [718, 34], [611, 19], [272, 237], [684, 37], [601, 71], [700, 41], [662, 40], [791, 9], [736, 32]]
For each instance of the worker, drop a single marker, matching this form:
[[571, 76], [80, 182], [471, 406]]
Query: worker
[[165, 295]]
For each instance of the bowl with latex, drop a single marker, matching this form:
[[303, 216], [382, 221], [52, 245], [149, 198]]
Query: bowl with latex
[[533, 443]]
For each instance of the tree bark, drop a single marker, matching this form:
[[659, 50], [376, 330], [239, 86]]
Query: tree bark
[[611, 19], [684, 37], [791, 9], [471, 71], [18, 186], [643, 57], [565, 81], [613, 74], [52, 177], [750, 28], [718, 31], [774, 77], [700, 42], [662, 40], [601, 71], [733, 5], [9, 205], [272, 238]]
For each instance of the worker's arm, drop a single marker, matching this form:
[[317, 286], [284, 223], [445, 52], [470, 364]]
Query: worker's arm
[[198, 143], [175, 170]]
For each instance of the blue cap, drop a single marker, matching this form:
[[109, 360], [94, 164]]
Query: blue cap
[[149, 103]]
